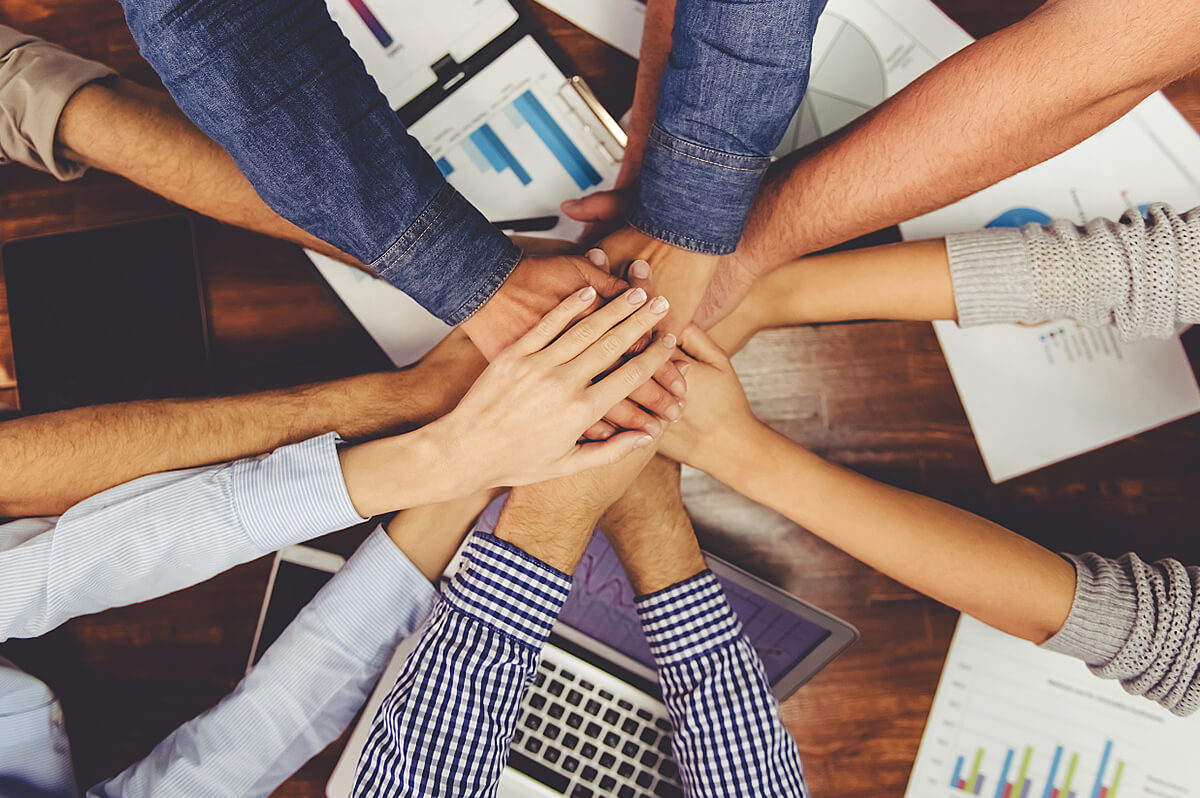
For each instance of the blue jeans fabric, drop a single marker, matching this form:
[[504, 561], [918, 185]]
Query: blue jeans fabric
[[737, 73], [276, 84]]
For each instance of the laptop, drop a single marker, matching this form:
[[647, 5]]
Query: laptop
[[593, 722]]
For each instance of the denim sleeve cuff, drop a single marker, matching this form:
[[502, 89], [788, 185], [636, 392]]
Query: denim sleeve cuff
[[688, 619], [513, 592], [295, 493], [451, 260], [377, 598], [694, 197]]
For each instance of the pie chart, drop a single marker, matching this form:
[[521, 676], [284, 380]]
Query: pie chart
[[847, 80]]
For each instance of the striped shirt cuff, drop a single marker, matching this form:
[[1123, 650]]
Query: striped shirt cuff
[[508, 590], [293, 494], [378, 598], [689, 619]]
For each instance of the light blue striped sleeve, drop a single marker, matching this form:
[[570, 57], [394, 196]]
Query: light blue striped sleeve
[[301, 695], [165, 532], [446, 727], [728, 736]]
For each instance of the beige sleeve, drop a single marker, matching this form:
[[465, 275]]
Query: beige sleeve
[[37, 79]]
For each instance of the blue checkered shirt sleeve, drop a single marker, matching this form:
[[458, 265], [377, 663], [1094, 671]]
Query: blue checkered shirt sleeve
[[446, 727], [728, 736]]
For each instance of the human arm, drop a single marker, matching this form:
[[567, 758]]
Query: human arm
[[727, 736], [52, 461], [313, 680], [966, 104]]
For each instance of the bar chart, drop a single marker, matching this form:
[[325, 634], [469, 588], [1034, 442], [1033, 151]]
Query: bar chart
[[1018, 780], [1011, 720]]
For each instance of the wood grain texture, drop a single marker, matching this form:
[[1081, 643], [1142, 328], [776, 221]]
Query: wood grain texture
[[874, 396]]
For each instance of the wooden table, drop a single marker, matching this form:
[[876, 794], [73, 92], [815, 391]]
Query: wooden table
[[875, 396]]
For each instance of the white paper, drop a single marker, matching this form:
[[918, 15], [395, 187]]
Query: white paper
[[506, 99], [1000, 694], [400, 40], [617, 22], [404, 330], [1038, 395]]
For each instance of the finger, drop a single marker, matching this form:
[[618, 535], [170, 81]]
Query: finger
[[671, 378], [658, 401], [608, 350], [598, 207], [615, 449], [598, 258], [587, 332], [554, 322], [625, 415], [634, 373], [696, 343], [600, 431], [639, 275]]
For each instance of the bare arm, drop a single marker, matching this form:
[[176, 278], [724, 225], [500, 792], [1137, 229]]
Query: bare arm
[[951, 555], [1008, 102], [52, 461], [140, 134]]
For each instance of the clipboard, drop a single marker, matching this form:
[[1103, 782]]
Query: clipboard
[[493, 100]]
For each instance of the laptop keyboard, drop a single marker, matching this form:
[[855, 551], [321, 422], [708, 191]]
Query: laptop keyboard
[[582, 740]]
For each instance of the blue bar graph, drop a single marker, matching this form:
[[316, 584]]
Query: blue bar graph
[[1103, 767], [553, 136], [958, 766], [1004, 774], [498, 156], [1058, 752], [444, 166]]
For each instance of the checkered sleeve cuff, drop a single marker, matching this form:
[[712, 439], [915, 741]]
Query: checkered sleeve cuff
[[508, 590], [689, 619]]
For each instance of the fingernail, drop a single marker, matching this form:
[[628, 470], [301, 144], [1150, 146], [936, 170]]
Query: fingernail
[[606, 433], [637, 296], [643, 442], [653, 427], [673, 412], [571, 204], [684, 367], [639, 269], [587, 294], [668, 340], [678, 388], [660, 305], [597, 257]]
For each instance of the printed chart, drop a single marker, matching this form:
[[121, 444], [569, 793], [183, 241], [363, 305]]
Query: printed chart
[[1011, 720]]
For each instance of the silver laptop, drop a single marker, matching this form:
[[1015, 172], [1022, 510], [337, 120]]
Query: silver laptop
[[593, 722]]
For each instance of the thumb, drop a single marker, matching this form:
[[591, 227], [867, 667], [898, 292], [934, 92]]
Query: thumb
[[606, 285], [696, 343], [613, 450], [602, 206]]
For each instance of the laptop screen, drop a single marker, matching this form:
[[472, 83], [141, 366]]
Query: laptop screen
[[601, 606]]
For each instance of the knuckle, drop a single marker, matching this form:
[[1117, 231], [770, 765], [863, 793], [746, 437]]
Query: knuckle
[[612, 345], [633, 375]]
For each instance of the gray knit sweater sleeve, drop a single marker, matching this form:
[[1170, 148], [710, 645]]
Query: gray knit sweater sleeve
[[1137, 622], [1141, 273]]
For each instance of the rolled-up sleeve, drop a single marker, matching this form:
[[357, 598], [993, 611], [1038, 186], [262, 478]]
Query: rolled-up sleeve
[[737, 72]]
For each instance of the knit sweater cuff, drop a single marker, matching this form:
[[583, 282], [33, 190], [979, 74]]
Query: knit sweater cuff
[[993, 281], [1102, 615]]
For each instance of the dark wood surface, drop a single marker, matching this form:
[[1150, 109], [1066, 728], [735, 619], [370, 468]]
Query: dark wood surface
[[875, 396]]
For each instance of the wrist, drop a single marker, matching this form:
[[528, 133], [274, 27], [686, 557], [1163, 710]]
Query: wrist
[[739, 452], [404, 471], [557, 538], [674, 557]]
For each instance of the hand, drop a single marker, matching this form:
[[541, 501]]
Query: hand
[[535, 286], [731, 282], [650, 531], [554, 520], [679, 275], [718, 420], [603, 211]]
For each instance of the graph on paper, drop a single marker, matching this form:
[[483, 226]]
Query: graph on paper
[[1011, 720]]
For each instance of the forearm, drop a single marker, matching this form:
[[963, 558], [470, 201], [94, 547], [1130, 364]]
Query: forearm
[[140, 134], [968, 105], [958, 558], [308, 687], [50, 462], [656, 47]]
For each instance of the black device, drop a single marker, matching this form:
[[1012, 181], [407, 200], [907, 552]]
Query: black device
[[297, 575], [112, 314]]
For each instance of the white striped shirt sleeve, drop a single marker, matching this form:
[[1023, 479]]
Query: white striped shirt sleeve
[[300, 696], [165, 532], [446, 727], [728, 736]]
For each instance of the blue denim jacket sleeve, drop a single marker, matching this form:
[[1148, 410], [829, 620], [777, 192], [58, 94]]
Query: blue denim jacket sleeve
[[736, 75], [276, 84]]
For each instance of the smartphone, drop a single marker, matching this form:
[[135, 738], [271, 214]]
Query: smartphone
[[112, 314], [297, 575]]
